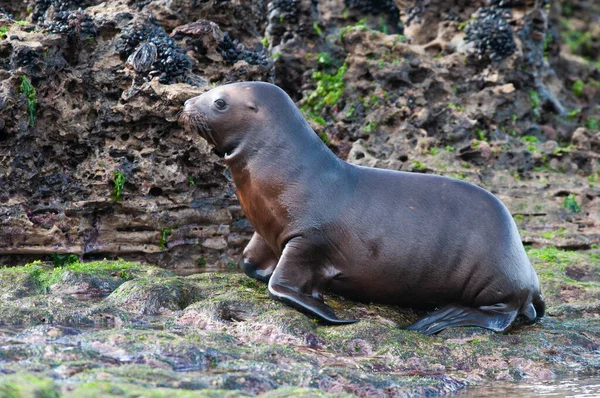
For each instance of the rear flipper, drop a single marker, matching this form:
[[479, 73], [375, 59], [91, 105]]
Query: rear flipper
[[498, 317]]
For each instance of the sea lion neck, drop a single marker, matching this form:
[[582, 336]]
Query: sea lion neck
[[265, 188], [299, 145]]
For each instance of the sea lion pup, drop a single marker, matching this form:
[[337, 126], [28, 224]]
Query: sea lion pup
[[414, 240]]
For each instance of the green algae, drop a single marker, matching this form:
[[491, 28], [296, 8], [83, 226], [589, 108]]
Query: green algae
[[37, 278], [25, 385], [328, 91], [119, 181], [301, 392], [239, 341], [29, 91], [104, 389], [559, 272], [156, 295]]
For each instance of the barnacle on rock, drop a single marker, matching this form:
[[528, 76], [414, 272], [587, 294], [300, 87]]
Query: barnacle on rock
[[234, 51], [491, 34], [287, 10], [71, 22], [171, 64], [5, 14], [41, 6], [507, 3], [518, 3], [373, 7]]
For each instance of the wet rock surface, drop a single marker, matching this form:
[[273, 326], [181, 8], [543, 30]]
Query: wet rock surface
[[220, 335]]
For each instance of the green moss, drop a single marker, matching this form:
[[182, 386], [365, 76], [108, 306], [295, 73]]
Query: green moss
[[578, 87], [370, 127], [317, 28], [434, 151], [571, 204], [101, 267], [480, 135], [449, 148], [324, 138], [456, 106], [164, 236], [102, 389], [464, 24], [25, 385], [29, 92], [360, 25], [592, 124], [459, 176], [118, 185], [151, 296], [573, 114], [16, 282], [35, 278], [519, 217], [201, 262], [417, 165], [552, 266], [324, 58], [551, 234], [328, 92], [580, 42], [534, 99], [60, 260], [560, 150], [3, 31], [530, 138], [191, 181]]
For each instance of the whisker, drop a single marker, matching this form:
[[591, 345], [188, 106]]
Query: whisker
[[195, 121]]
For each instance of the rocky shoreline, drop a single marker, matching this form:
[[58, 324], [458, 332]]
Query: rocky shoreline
[[121, 328]]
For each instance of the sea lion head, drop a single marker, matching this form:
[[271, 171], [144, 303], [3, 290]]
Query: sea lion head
[[227, 115]]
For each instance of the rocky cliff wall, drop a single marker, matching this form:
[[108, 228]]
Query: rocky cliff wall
[[93, 161]]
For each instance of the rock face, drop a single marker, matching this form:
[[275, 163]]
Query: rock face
[[102, 115], [94, 163]]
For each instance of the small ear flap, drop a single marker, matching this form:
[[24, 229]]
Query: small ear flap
[[253, 106]]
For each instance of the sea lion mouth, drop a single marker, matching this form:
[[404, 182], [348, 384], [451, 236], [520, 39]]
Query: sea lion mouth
[[196, 122]]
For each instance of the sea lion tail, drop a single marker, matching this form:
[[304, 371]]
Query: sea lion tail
[[534, 308], [539, 304]]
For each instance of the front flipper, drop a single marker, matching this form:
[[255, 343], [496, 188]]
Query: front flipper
[[498, 317], [299, 280], [258, 259]]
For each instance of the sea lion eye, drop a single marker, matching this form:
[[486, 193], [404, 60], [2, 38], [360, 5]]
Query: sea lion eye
[[220, 104]]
